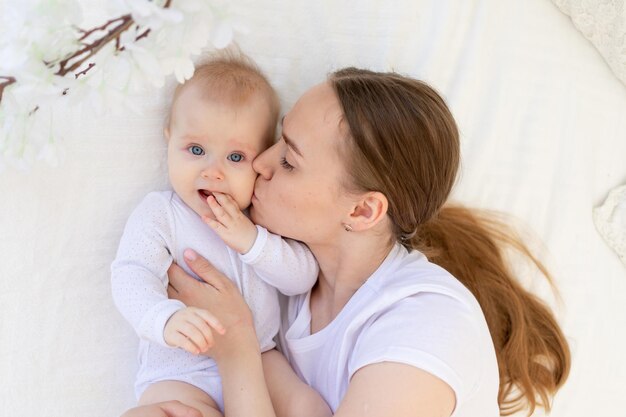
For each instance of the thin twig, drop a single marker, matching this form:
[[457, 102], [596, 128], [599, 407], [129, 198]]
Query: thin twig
[[8, 82], [86, 33], [143, 35], [93, 48], [83, 72], [126, 22]]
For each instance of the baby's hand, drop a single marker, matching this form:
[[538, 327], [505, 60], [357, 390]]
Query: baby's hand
[[190, 329], [235, 229]]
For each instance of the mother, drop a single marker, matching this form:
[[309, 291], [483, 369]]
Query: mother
[[361, 173]]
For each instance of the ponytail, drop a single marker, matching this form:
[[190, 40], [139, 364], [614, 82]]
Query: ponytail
[[404, 142], [533, 355]]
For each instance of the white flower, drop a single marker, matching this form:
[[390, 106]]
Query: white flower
[[145, 63], [100, 95], [174, 45], [222, 34], [52, 152], [41, 30], [192, 6], [181, 66], [152, 14], [27, 133], [39, 35]]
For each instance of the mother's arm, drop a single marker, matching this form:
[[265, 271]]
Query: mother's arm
[[379, 390], [237, 352], [396, 389]]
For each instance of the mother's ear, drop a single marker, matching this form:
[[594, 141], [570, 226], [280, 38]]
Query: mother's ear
[[368, 211]]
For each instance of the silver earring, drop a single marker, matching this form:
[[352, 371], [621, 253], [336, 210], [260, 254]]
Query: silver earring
[[347, 227]]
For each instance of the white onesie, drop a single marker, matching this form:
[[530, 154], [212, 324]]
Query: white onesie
[[409, 311], [156, 234]]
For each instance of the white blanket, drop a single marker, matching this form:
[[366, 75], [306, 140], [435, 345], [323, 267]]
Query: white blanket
[[603, 22], [542, 120]]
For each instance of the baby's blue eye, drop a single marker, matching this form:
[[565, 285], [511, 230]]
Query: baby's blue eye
[[235, 157], [196, 150]]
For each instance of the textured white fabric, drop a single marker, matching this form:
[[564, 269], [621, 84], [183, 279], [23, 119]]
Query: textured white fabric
[[409, 311], [542, 123], [156, 234], [610, 219], [603, 22]]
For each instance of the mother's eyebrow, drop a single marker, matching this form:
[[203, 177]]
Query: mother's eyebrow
[[288, 141]]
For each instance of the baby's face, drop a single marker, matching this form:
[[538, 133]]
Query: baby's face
[[211, 146]]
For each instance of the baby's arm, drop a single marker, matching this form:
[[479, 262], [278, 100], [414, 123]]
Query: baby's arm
[[285, 264], [139, 271], [290, 396]]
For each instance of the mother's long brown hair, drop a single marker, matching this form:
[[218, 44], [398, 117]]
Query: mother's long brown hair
[[404, 143]]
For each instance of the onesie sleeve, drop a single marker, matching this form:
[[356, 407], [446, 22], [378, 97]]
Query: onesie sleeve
[[285, 264], [139, 271], [434, 332]]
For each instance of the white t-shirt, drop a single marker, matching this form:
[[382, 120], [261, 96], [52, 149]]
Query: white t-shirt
[[409, 311], [156, 234]]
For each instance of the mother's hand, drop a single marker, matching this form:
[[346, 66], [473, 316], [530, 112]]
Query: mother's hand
[[221, 297]]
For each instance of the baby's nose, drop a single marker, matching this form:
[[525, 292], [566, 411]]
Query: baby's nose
[[213, 172]]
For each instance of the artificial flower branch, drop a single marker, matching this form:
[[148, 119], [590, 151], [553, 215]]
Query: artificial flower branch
[[48, 63], [90, 49], [93, 48]]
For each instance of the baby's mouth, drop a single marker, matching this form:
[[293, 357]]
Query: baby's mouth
[[204, 194]]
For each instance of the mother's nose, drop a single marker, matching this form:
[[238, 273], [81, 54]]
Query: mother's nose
[[263, 164]]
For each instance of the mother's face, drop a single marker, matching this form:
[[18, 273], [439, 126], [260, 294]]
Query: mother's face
[[299, 192]]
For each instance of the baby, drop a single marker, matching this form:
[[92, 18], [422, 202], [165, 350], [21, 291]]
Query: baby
[[220, 120]]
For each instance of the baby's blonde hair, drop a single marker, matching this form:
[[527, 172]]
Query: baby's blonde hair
[[230, 76]]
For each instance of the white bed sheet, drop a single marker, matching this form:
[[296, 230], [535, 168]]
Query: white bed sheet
[[542, 120]]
